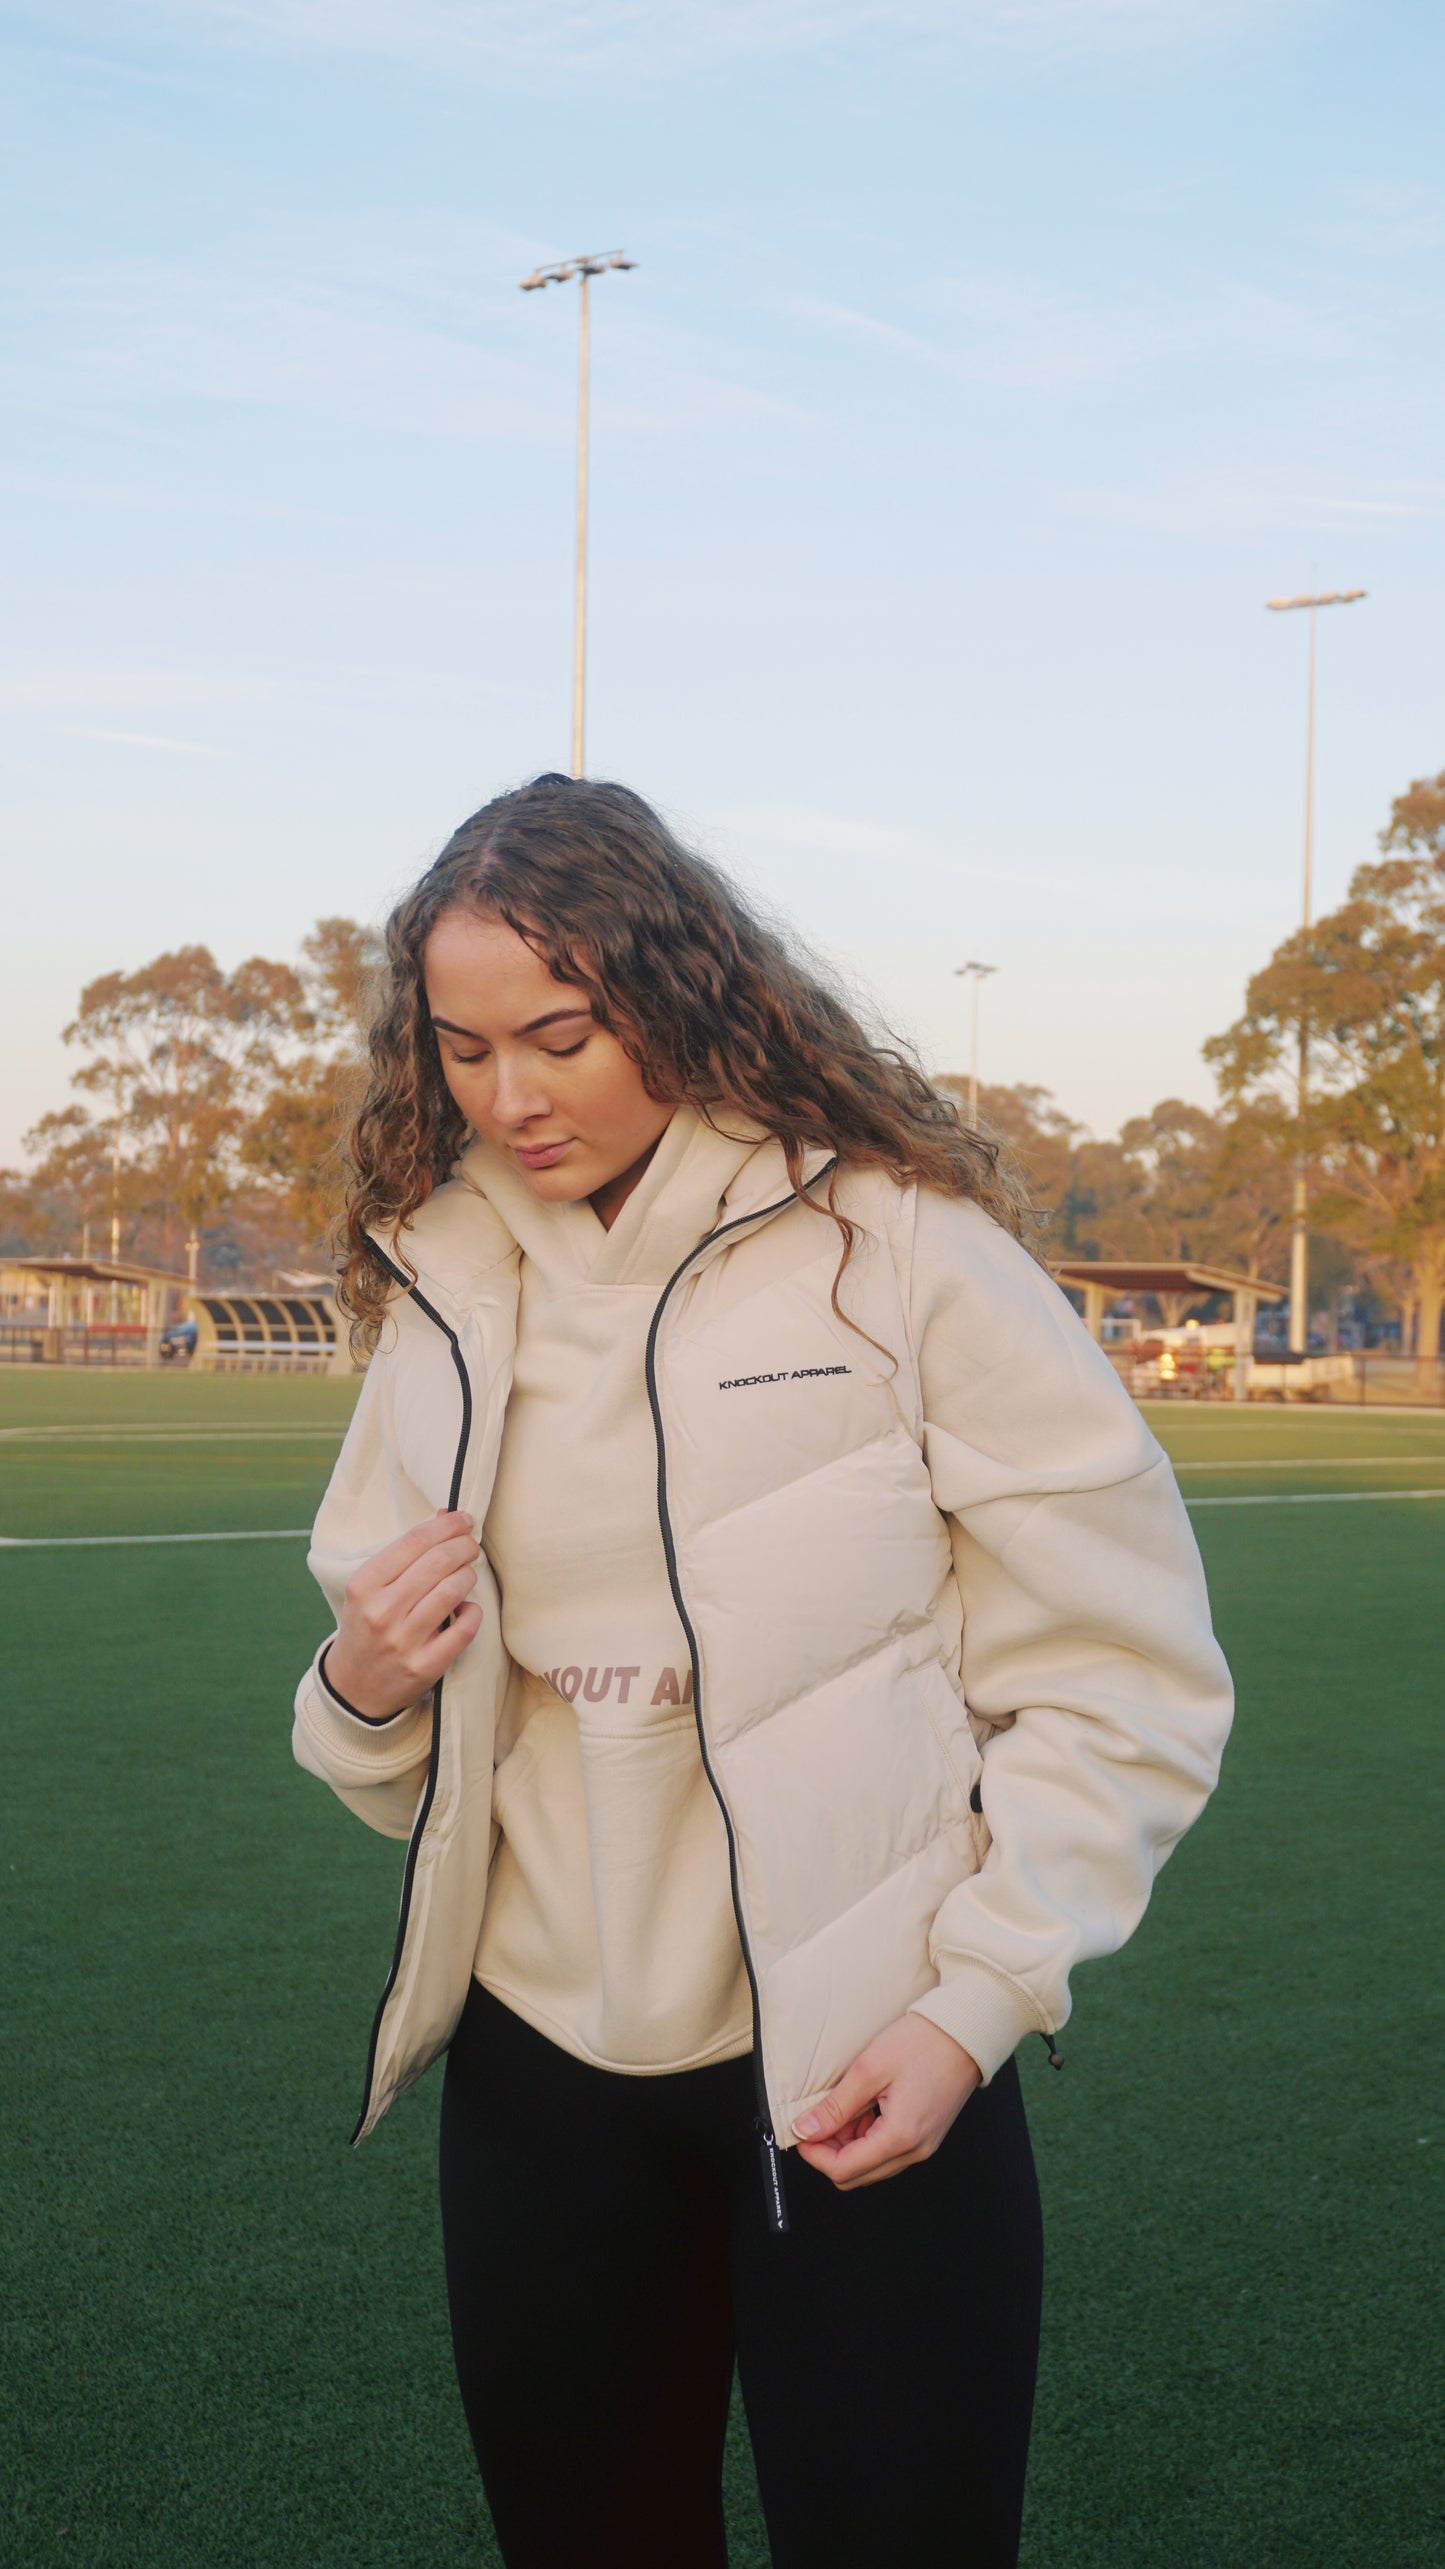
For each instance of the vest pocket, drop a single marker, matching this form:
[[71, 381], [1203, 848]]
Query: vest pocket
[[957, 1746]]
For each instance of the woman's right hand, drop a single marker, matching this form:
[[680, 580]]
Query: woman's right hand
[[408, 1614]]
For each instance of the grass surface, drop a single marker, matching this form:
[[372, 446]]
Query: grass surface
[[226, 2338]]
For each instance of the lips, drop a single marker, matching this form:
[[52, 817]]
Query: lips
[[541, 1155]]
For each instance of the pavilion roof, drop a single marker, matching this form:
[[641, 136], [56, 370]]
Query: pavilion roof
[[97, 1271], [1162, 1275]]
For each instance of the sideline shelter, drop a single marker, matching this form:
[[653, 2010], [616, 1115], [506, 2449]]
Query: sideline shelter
[[1174, 1283], [268, 1333], [86, 1311]]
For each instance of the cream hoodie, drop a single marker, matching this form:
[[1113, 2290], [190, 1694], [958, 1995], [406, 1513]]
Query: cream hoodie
[[609, 1922]]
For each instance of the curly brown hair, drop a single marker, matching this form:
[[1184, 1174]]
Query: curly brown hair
[[718, 1009]]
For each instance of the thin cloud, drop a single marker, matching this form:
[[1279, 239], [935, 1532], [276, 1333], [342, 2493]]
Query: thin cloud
[[556, 43], [1383, 219], [1244, 501], [1009, 332], [805, 830], [417, 327], [995, 327], [116, 498], [152, 740], [108, 692], [869, 325]]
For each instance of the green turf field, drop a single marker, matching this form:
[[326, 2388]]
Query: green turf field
[[225, 2338]]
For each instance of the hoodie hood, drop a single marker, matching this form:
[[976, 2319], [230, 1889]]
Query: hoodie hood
[[485, 1215], [676, 1202]]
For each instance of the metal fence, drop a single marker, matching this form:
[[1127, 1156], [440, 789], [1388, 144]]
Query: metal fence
[[1362, 1378], [1378, 1376], [32, 1342], [233, 1333]]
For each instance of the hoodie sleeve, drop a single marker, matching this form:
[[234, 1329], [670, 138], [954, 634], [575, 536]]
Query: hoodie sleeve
[[1087, 1643], [377, 1768]]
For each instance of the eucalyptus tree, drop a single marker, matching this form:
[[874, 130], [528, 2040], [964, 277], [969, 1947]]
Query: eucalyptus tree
[[1367, 983]]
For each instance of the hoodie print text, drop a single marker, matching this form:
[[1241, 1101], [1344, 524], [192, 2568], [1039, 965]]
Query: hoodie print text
[[615, 1684]]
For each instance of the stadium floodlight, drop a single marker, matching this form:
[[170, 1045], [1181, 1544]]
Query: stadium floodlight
[[1299, 1245], [594, 263], [1324, 598], [976, 973]]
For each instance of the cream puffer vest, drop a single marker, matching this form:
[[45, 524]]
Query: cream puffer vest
[[814, 1575]]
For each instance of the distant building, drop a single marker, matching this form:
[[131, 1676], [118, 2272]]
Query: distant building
[[86, 1310], [1173, 1283], [101, 1311], [252, 1331]]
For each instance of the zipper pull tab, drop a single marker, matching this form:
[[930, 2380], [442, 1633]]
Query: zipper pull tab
[[772, 2158], [1056, 2057]]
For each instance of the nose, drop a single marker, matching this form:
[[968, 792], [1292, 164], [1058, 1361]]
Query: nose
[[517, 1099]]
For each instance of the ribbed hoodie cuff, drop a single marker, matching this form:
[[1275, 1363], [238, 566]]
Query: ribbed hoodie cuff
[[373, 1721], [391, 1745], [985, 2012]]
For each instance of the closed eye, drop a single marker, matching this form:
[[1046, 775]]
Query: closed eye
[[554, 1052]]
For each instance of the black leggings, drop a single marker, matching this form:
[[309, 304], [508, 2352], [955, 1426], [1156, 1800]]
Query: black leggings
[[608, 2258]]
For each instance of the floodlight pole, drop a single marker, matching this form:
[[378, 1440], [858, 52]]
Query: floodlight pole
[[115, 1192], [594, 264], [579, 591], [974, 972], [1299, 1244]]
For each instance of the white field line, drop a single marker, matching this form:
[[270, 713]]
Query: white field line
[[1307, 1498], [165, 1435], [1263, 1414], [83, 1542], [1317, 1463], [302, 1533]]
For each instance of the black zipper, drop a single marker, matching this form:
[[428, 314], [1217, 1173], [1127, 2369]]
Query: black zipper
[[433, 1760], [774, 2196], [776, 2199]]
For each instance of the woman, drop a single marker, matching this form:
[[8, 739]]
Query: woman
[[781, 1644]]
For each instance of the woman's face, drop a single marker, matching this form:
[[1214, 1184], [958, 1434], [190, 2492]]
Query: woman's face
[[530, 1068]]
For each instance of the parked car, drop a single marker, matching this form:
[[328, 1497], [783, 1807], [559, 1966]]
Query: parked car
[[178, 1342]]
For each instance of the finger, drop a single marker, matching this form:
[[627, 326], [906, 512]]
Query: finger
[[876, 2176], [394, 1558], [436, 1659], [432, 1610], [400, 1598], [877, 2153], [857, 2089], [443, 1527], [824, 2153], [855, 2130], [390, 1618]]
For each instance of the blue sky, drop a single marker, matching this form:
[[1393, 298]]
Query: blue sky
[[985, 367]]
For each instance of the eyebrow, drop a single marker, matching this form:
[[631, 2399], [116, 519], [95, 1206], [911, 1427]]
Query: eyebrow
[[534, 1025]]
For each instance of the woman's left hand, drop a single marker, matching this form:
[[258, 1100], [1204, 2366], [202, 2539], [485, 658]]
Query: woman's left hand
[[892, 2108]]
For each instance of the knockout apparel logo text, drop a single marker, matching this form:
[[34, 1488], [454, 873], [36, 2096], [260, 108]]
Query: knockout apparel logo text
[[797, 1374]]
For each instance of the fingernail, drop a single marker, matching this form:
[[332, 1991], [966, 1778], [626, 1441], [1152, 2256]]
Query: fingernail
[[807, 2127]]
